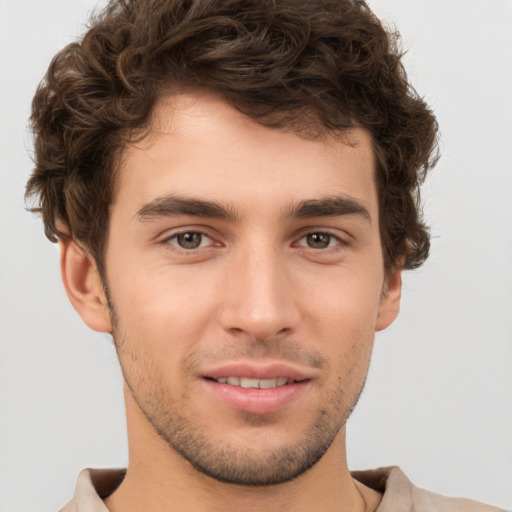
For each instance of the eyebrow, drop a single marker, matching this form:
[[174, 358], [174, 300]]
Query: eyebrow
[[173, 206], [334, 206]]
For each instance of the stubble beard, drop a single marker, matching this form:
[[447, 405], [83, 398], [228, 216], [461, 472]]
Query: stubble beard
[[220, 460], [233, 465]]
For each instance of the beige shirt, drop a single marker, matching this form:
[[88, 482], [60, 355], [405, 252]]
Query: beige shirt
[[400, 495]]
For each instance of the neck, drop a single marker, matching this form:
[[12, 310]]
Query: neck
[[158, 479]]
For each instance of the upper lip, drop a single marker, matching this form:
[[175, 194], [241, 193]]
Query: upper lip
[[253, 370]]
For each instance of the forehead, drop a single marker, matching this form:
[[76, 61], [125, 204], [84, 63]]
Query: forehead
[[197, 144]]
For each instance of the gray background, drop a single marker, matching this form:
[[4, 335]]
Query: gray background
[[439, 396]]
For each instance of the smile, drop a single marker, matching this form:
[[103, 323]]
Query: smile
[[256, 396], [249, 383]]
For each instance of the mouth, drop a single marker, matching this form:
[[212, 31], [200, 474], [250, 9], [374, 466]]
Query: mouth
[[250, 383], [255, 388]]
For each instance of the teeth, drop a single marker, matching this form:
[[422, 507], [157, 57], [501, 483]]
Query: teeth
[[269, 383], [249, 383], [246, 382]]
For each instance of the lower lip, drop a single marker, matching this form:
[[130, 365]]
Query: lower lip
[[256, 401]]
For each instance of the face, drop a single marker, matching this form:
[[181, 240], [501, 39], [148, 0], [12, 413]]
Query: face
[[246, 282]]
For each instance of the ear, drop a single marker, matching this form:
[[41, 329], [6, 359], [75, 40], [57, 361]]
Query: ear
[[390, 301], [83, 285]]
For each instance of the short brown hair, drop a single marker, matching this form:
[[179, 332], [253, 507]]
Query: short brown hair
[[308, 66]]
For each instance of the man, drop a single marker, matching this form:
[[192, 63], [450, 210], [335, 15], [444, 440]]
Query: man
[[234, 189]]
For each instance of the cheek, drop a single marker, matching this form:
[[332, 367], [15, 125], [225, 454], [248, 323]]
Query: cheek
[[344, 301], [344, 317], [165, 310]]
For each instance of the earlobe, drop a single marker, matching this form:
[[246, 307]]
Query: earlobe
[[83, 285], [390, 302]]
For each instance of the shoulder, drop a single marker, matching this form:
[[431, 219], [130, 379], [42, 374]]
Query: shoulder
[[401, 495], [93, 485]]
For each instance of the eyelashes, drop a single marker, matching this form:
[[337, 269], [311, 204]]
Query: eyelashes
[[320, 240], [190, 240], [193, 240]]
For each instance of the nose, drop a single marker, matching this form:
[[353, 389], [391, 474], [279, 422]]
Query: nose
[[259, 296]]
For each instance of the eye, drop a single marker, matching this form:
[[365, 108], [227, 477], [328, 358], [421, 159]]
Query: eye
[[319, 240], [190, 240]]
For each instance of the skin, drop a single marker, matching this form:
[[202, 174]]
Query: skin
[[268, 283]]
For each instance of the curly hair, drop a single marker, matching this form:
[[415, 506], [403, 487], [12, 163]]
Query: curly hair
[[308, 66]]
